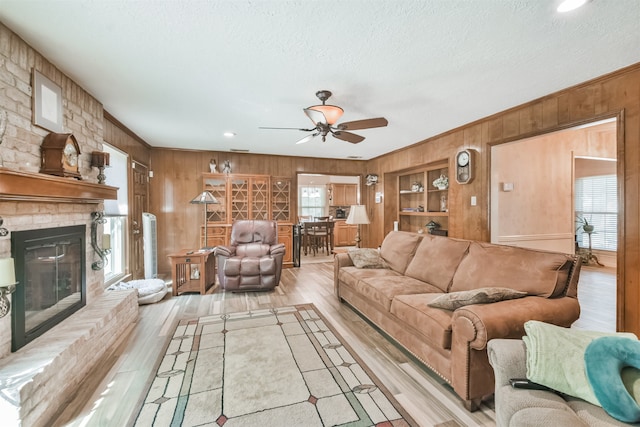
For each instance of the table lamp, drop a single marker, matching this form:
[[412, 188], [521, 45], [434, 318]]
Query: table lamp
[[358, 215], [205, 198], [7, 284]]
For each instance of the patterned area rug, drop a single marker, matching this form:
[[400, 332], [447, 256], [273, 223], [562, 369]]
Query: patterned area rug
[[278, 367]]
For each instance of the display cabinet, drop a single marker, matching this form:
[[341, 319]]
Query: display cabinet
[[281, 199], [244, 196]]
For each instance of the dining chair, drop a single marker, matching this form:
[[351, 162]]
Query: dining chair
[[319, 236]]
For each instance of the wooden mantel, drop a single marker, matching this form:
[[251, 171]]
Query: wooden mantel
[[29, 186]]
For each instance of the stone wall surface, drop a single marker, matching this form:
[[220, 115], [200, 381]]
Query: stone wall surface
[[50, 367]]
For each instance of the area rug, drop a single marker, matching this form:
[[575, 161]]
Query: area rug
[[276, 367]]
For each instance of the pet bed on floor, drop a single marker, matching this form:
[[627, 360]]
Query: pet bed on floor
[[149, 290]]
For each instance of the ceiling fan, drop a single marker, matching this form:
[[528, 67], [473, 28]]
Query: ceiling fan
[[324, 118]]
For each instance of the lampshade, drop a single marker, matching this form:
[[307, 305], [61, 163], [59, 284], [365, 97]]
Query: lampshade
[[7, 272], [358, 215], [205, 198], [331, 112], [99, 159]]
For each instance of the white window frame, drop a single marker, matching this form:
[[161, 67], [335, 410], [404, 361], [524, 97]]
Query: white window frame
[[313, 200], [596, 200]]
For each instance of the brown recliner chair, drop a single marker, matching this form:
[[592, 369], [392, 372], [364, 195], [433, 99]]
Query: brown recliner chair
[[253, 262]]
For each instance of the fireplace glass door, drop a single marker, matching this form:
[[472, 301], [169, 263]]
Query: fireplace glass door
[[50, 267]]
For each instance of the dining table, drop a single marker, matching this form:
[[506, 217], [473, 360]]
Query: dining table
[[315, 231]]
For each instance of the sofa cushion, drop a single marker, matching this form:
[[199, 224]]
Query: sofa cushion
[[537, 273], [397, 249], [351, 275], [367, 258], [414, 310], [436, 260], [382, 290], [454, 300]]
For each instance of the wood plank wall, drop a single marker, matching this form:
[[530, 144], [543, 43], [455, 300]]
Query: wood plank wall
[[613, 95], [177, 174], [178, 179], [117, 135]]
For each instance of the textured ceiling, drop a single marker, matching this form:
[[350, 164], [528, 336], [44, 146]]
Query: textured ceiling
[[180, 73]]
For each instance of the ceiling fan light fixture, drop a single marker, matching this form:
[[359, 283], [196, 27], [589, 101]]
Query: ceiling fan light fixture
[[331, 112]]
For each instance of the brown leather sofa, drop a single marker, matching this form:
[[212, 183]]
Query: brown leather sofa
[[253, 261], [453, 343]]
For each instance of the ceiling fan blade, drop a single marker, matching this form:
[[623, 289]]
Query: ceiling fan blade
[[315, 116], [308, 138], [304, 130], [348, 136], [364, 124]]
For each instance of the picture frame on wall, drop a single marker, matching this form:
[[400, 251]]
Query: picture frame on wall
[[47, 103]]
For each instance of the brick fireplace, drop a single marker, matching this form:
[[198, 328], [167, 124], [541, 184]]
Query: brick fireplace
[[36, 379]]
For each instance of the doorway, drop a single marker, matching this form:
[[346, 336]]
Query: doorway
[[533, 192], [326, 195]]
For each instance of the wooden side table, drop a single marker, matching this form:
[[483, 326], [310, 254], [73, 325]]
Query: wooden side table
[[192, 271]]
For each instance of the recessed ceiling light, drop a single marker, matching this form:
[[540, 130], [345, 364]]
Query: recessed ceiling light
[[229, 134], [354, 157], [239, 150], [568, 5]]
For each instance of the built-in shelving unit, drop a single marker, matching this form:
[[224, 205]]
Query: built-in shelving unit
[[419, 201]]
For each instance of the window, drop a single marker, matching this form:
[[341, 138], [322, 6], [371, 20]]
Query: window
[[596, 201], [312, 200], [116, 214], [115, 263]]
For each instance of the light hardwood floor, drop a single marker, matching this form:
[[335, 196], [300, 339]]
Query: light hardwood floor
[[111, 396]]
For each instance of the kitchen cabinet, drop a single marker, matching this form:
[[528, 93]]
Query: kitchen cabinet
[[344, 194], [344, 234]]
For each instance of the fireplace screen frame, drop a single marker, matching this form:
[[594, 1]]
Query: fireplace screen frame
[[20, 242]]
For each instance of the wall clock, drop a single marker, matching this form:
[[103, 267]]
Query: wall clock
[[60, 153], [465, 160]]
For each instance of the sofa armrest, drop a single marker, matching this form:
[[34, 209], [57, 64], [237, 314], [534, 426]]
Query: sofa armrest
[[508, 359], [340, 260], [277, 249], [477, 324], [226, 251]]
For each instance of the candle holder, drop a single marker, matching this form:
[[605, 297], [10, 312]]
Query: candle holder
[[97, 219], [5, 304], [100, 160], [7, 284]]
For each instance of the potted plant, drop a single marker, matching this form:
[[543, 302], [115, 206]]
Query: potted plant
[[442, 183], [584, 224], [588, 257]]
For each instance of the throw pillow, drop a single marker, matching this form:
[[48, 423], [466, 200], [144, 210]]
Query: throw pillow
[[563, 371], [367, 258], [604, 360], [454, 300]]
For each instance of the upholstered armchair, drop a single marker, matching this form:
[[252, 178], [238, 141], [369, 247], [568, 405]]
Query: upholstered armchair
[[253, 261]]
